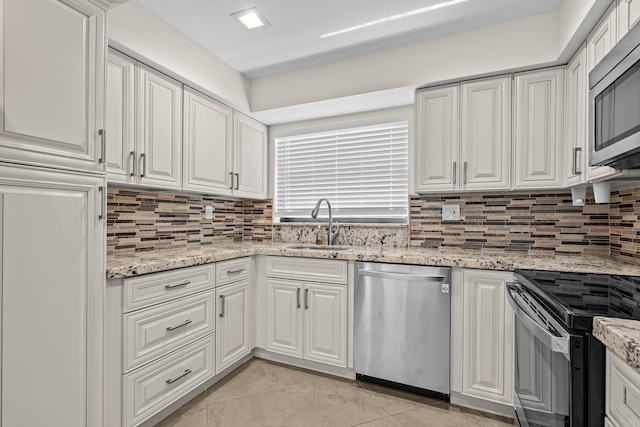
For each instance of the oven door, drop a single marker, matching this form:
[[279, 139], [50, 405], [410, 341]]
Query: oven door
[[542, 369]]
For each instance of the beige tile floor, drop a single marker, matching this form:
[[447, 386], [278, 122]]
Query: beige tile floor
[[263, 393]]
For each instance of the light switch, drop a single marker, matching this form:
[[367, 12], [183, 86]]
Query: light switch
[[451, 212], [208, 212]]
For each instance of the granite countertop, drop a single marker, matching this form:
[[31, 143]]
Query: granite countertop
[[621, 336], [133, 264]]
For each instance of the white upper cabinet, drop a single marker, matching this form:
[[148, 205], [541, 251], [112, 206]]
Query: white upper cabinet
[[538, 143], [485, 148], [207, 144], [576, 139], [250, 157], [601, 40], [628, 15], [160, 129], [143, 123], [52, 73], [120, 118], [437, 139]]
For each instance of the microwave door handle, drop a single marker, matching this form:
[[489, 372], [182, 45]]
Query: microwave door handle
[[556, 344]]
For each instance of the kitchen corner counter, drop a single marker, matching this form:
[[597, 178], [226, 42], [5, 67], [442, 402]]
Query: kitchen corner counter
[[622, 336], [130, 264]]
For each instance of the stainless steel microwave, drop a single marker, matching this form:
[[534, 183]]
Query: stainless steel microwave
[[614, 106]]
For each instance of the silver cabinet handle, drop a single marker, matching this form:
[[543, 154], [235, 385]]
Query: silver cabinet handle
[[237, 181], [143, 158], [231, 173], [177, 285], [306, 299], [103, 152], [173, 380], [575, 170], [455, 172], [221, 305], [298, 297], [133, 164], [103, 202], [239, 270], [173, 328], [464, 173]]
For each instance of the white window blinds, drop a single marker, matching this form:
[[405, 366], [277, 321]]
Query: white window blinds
[[362, 171]]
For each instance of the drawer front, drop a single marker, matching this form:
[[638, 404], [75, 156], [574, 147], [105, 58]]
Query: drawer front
[[153, 387], [623, 392], [155, 288], [233, 270], [307, 269], [152, 332]]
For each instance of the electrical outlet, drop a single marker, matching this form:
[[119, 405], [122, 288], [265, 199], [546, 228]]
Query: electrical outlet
[[451, 212], [208, 212]]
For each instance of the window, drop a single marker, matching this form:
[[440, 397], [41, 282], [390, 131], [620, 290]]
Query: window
[[362, 171]]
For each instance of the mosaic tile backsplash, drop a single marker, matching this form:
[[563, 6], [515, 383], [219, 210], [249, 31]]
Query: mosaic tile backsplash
[[144, 220], [526, 222]]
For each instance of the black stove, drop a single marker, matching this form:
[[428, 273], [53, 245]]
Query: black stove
[[554, 314], [575, 298]]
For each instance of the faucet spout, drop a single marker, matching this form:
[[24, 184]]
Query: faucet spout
[[331, 235]]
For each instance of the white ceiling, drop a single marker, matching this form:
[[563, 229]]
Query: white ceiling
[[293, 39]]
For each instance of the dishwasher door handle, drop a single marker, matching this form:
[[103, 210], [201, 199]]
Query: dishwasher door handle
[[402, 276]]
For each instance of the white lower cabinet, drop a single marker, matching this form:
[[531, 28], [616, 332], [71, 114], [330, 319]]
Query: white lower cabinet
[[161, 341], [482, 338], [307, 319], [622, 393], [154, 386], [52, 232], [233, 338]]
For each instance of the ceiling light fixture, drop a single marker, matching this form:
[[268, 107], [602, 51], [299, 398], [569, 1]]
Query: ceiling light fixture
[[394, 17], [251, 19]]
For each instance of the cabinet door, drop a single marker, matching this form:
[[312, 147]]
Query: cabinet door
[[120, 118], [250, 158], [601, 40], [52, 74], [233, 323], [207, 144], [52, 283], [159, 129], [325, 320], [284, 317], [437, 139], [539, 139], [487, 349], [486, 134], [576, 140], [628, 15]]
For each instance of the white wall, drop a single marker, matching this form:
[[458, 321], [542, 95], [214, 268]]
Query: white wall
[[519, 44], [140, 33]]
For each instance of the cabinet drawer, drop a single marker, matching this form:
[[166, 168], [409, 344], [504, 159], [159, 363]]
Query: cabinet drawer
[[153, 387], [154, 331], [622, 393], [233, 270], [308, 269], [155, 288]]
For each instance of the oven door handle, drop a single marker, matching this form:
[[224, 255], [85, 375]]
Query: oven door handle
[[553, 342]]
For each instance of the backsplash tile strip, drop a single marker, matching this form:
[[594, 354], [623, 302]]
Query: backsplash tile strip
[[140, 220], [625, 224], [540, 222]]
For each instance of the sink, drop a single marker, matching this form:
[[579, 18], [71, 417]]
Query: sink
[[320, 248]]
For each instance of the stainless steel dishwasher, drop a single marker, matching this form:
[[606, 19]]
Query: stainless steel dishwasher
[[402, 327]]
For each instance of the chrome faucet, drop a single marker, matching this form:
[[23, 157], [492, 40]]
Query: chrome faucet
[[331, 235]]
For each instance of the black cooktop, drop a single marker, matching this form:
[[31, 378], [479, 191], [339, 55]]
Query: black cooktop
[[575, 298]]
